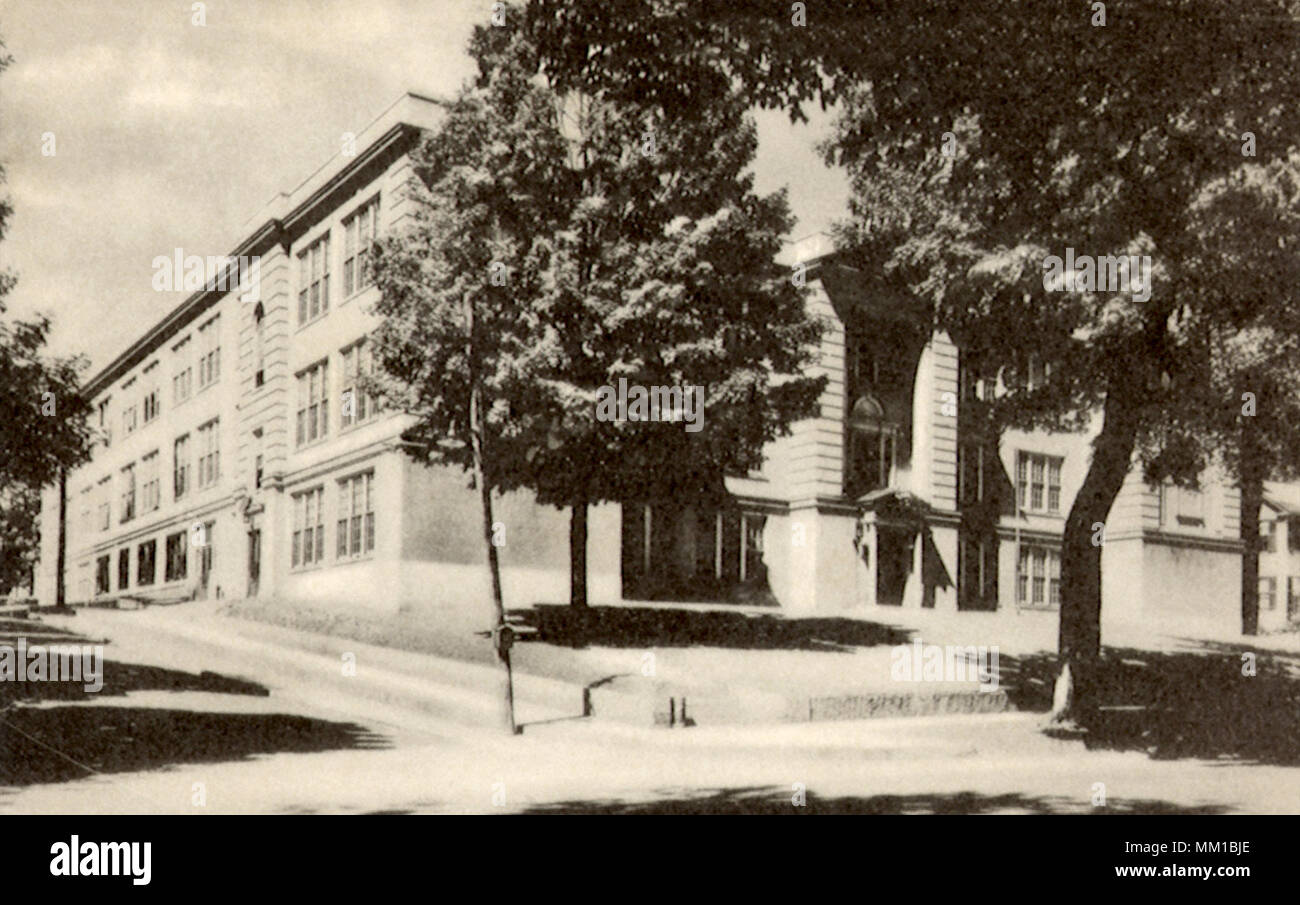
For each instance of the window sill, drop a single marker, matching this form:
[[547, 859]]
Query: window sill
[[357, 294], [310, 444], [303, 325], [356, 425]]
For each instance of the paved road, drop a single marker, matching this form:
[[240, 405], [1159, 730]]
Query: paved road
[[215, 721]]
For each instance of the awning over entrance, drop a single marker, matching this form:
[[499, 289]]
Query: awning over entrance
[[894, 505]]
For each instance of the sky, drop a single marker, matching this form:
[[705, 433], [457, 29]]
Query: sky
[[170, 134]]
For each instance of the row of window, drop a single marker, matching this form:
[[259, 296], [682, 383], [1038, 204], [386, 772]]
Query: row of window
[[146, 561], [355, 406], [354, 515], [145, 409], [360, 231], [314, 263], [1038, 573], [149, 479]]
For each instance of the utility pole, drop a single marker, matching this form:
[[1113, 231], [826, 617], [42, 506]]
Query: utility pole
[[502, 635]]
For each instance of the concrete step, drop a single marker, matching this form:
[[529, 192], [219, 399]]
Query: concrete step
[[639, 701]]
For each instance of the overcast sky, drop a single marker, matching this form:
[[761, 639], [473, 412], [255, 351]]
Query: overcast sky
[[167, 134]]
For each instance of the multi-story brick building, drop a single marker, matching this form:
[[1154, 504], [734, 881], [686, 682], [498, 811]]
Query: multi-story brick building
[[238, 460]]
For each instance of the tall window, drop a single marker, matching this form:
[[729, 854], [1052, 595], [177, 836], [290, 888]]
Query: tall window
[[308, 527], [1038, 576], [128, 492], [123, 568], [1038, 482], [259, 341], [1268, 535], [151, 488], [175, 566], [105, 493], [130, 420], [257, 458], [1268, 594], [314, 280], [152, 401], [102, 585], [356, 516], [181, 466], [209, 352], [977, 569], [106, 421], [356, 405], [359, 232], [151, 407], [313, 403], [975, 464], [145, 566], [209, 453], [182, 378]]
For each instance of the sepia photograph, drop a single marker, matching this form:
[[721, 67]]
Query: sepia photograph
[[650, 407]]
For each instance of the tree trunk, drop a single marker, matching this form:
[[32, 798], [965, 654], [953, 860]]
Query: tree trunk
[[578, 555], [60, 590], [500, 631], [1251, 469], [1079, 638]]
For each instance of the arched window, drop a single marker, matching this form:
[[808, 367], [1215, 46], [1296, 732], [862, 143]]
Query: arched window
[[871, 447]]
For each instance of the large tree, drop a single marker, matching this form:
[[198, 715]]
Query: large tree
[[1246, 230], [1030, 129], [641, 254]]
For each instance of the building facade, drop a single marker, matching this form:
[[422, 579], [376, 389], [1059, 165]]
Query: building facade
[[892, 497], [238, 459]]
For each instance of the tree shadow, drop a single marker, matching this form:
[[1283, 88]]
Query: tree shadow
[[778, 800], [1181, 704], [617, 626], [118, 678], [127, 739]]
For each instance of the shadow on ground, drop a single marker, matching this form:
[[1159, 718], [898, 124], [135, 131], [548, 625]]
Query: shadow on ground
[[1193, 704], [68, 735], [76, 740], [620, 626], [118, 678], [777, 800]]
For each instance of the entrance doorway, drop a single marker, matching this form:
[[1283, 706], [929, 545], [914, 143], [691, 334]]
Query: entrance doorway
[[894, 547]]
